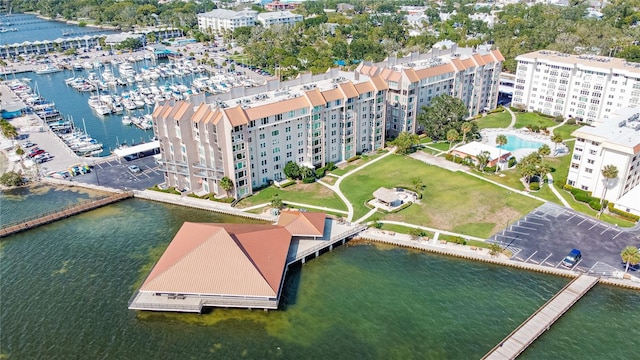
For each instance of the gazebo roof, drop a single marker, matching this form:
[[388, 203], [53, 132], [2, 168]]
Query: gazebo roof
[[385, 195]]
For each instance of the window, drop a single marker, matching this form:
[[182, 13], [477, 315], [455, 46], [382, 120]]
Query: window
[[275, 132], [593, 152], [588, 170]]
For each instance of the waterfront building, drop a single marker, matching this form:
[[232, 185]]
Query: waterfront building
[[269, 19], [250, 134], [583, 87], [279, 6], [225, 265], [223, 19], [613, 141], [79, 42], [469, 74]]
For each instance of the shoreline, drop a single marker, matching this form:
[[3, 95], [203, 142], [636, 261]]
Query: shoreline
[[375, 235]]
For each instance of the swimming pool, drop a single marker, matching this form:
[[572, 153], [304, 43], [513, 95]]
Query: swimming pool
[[516, 143]]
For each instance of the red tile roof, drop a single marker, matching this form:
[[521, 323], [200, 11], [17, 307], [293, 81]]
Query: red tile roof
[[222, 259], [300, 223]]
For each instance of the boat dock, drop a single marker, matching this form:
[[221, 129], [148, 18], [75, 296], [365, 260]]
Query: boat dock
[[61, 214], [525, 334], [336, 233]]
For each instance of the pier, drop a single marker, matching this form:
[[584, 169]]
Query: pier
[[65, 213], [525, 334]]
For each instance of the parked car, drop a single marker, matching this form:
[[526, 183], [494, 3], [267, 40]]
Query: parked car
[[36, 152], [28, 144], [134, 169], [572, 258]]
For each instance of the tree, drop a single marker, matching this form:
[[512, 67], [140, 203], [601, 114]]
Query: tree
[[417, 184], [609, 172], [276, 202], [8, 130], [226, 184], [544, 150], [405, 142], [631, 256], [292, 170], [443, 114], [557, 139], [416, 233], [306, 172], [452, 135], [483, 158], [465, 128], [11, 178], [501, 140], [494, 249]]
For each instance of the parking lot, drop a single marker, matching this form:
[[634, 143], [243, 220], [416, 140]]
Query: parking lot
[[116, 174], [547, 234]]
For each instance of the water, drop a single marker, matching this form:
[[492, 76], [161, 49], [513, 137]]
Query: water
[[516, 143], [65, 287], [31, 28], [109, 129]]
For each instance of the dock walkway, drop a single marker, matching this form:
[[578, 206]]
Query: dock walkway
[[525, 334], [67, 212]]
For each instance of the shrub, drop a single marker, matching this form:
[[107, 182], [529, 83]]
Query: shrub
[[11, 178], [534, 186], [512, 162], [571, 122], [288, 183], [567, 187], [558, 118], [449, 157], [309, 180], [623, 214], [457, 160], [595, 204], [330, 166], [320, 172], [353, 158], [490, 169], [458, 240]]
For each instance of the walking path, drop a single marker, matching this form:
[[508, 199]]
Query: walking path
[[313, 207], [437, 232], [513, 118], [556, 192], [336, 187]]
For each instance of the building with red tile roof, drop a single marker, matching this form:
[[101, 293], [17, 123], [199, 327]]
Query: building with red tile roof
[[225, 265]]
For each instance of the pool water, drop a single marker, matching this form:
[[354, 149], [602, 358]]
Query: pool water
[[516, 143]]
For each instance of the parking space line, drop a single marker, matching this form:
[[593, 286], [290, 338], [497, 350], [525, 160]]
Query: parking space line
[[518, 232], [580, 223], [605, 230], [547, 258], [518, 258], [574, 215], [529, 258], [508, 237], [548, 263], [619, 232], [594, 225], [524, 227], [534, 223], [533, 261]]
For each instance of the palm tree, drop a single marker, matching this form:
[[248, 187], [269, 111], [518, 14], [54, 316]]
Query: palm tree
[[483, 158], [226, 184], [501, 140], [609, 172], [465, 127], [452, 135], [557, 139], [631, 256]]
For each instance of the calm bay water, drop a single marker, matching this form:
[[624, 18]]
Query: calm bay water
[[65, 287], [31, 28]]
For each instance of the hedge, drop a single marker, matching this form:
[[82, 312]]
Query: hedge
[[625, 215], [353, 158], [309, 180], [585, 197]]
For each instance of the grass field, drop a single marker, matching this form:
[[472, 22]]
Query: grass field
[[354, 164], [442, 146], [532, 119], [566, 130], [312, 194], [451, 201], [495, 120]]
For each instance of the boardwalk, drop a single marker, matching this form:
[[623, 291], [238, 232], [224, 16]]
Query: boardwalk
[[69, 211], [516, 342]]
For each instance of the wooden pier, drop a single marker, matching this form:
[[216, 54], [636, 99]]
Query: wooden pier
[[61, 214], [525, 334]]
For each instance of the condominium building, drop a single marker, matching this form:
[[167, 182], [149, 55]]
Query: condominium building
[[614, 141], [250, 134], [469, 74], [583, 87], [269, 19], [222, 19]]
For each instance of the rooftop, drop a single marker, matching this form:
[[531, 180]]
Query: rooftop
[[601, 62], [474, 148], [622, 130]]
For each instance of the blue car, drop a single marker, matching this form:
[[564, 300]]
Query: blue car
[[572, 258]]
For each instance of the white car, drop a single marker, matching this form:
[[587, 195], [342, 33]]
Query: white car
[[134, 169]]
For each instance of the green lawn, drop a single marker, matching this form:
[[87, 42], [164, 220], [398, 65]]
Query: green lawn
[[525, 119], [312, 194], [586, 209], [442, 146], [451, 201], [495, 120], [566, 130], [403, 229], [354, 164]]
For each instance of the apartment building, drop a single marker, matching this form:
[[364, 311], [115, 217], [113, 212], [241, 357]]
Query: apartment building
[[583, 87], [223, 19], [286, 18], [250, 134], [613, 141], [469, 74]]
